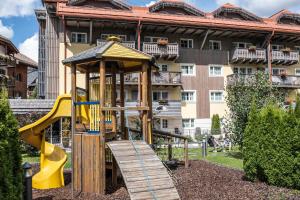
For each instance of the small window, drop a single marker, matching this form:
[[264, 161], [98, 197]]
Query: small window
[[188, 96], [164, 123], [186, 43], [277, 71], [79, 37], [241, 45], [134, 95], [188, 69], [188, 123], [163, 67], [215, 70], [216, 96], [19, 77], [297, 72], [215, 45], [160, 95], [277, 47]]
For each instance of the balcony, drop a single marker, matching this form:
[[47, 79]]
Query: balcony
[[244, 55], [285, 57], [130, 44], [158, 78], [287, 81], [169, 51]]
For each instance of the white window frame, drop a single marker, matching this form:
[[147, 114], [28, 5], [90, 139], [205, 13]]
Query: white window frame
[[76, 40], [162, 123], [106, 35], [153, 37], [190, 123], [215, 41], [246, 44], [215, 75], [216, 91], [278, 47], [297, 74], [188, 40], [161, 65], [246, 68], [189, 91], [188, 65]]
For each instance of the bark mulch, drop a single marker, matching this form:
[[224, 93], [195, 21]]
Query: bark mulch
[[202, 180]]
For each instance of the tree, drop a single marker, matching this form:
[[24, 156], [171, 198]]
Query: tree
[[297, 108], [215, 125], [238, 99], [10, 156]]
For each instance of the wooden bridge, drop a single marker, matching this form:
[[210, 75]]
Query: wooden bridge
[[144, 174]]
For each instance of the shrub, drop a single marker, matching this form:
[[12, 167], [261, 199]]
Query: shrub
[[272, 147], [297, 108], [10, 156], [215, 125]]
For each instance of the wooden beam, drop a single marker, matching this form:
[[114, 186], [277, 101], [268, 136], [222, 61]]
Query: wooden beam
[[150, 114], [204, 39], [145, 101], [138, 108], [122, 103], [186, 153], [91, 32], [87, 85], [73, 118], [113, 98]]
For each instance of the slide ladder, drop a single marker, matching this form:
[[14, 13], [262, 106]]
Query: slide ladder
[[144, 174]]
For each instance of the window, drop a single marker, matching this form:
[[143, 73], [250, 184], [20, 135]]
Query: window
[[154, 39], [297, 72], [163, 67], [277, 47], [186, 43], [216, 96], [79, 37], [2, 71], [188, 123], [19, 77], [188, 96], [105, 36], [215, 70], [164, 123], [242, 45], [188, 69], [278, 71], [242, 70], [215, 45], [160, 95], [134, 95]]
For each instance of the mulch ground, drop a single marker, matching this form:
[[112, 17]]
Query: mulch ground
[[202, 180]]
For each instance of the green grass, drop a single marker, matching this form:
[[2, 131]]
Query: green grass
[[36, 159]]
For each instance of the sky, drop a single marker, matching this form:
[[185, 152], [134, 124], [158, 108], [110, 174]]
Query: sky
[[18, 22]]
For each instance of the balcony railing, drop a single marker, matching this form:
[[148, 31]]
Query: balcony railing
[[130, 44], [165, 78], [287, 81], [170, 50], [249, 55], [282, 57]]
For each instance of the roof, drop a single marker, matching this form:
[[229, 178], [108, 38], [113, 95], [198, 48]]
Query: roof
[[111, 50], [13, 49], [25, 60]]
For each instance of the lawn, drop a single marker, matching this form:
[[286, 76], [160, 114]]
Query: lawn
[[231, 159]]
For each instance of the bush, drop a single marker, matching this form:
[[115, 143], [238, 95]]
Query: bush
[[272, 147], [215, 125], [10, 156]]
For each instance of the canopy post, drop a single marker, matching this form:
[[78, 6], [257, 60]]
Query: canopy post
[[145, 101]]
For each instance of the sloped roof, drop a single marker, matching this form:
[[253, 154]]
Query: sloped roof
[[232, 8], [177, 4], [11, 46], [285, 13], [26, 60], [119, 3]]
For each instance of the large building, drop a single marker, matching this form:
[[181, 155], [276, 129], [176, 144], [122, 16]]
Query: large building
[[196, 51]]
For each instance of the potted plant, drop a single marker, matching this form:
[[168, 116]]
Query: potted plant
[[286, 50], [162, 41], [283, 74], [252, 48]]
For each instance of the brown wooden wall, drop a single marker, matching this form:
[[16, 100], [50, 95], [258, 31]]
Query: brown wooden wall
[[202, 57], [202, 83], [89, 171]]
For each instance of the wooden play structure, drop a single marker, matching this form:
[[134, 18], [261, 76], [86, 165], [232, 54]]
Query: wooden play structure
[[94, 146]]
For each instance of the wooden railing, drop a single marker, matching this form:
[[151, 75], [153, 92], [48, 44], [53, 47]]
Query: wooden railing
[[130, 44], [171, 49], [290, 57], [255, 55], [173, 78]]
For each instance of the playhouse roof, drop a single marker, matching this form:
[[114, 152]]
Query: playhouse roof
[[111, 51]]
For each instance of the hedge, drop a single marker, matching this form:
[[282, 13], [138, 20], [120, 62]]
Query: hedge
[[272, 147], [10, 156]]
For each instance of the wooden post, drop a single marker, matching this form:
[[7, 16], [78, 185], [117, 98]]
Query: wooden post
[[269, 54], [186, 153], [169, 149], [102, 83], [113, 99], [150, 115], [87, 85], [145, 101], [122, 103], [73, 118]]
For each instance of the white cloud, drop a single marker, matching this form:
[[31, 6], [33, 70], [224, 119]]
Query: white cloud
[[264, 8], [10, 8], [30, 47], [6, 31], [151, 3]]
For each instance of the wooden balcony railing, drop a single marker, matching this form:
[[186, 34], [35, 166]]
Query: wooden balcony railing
[[170, 51], [281, 57], [247, 55], [130, 44], [165, 78], [287, 81]]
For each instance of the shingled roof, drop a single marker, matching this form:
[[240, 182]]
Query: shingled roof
[[26, 60]]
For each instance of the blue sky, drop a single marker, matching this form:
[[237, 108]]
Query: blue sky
[[18, 22]]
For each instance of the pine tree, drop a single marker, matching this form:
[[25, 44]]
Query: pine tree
[[11, 186], [216, 125]]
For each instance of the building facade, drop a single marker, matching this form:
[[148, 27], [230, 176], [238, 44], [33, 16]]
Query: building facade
[[197, 52]]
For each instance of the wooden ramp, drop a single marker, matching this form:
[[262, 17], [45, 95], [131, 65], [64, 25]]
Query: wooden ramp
[[144, 174]]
